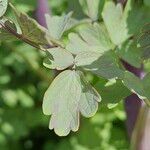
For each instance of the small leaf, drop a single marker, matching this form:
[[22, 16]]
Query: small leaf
[[91, 38], [3, 7], [115, 21], [58, 58], [58, 25], [74, 95]]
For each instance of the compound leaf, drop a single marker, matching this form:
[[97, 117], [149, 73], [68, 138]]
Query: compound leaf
[[74, 96]]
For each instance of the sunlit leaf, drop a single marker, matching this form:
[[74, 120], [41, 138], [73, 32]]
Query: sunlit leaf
[[75, 96], [3, 7], [86, 58], [58, 58], [57, 25], [115, 20], [91, 38]]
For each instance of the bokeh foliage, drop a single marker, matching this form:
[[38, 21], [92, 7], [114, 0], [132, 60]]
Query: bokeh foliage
[[23, 81]]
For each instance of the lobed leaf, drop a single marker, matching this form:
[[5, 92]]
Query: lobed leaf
[[75, 95], [58, 58], [115, 21], [93, 37], [57, 25]]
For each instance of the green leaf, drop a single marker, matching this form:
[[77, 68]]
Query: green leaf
[[146, 84], [3, 7], [75, 95], [115, 21], [86, 58], [144, 41], [133, 83], [106, 66], [109, 92], [4, 34], [57, 25], [58, 58], [130, 53], [32, 32], [93, 9], [93, 37]]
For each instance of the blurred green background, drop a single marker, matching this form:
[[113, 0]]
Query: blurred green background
[[23, 81]]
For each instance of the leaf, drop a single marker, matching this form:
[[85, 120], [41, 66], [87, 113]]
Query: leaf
[[75, 95], [4, 34], [130, 53], [3, 7], [58, 58], [31, 30], [133, 83], [58, 25], [93, 9], [109, 93], [144, 41], [106, 66], [86, 58], [115, 21], [146, 84], [91, 38]]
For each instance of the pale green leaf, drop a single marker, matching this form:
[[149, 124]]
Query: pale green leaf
[[3, 7], [93, 37], [93, 9], [86, 58], [74, 96], [57, 25], [58, 58], [116, 21]]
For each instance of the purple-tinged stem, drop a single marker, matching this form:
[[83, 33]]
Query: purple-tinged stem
[[42, 9], [132, 103]]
